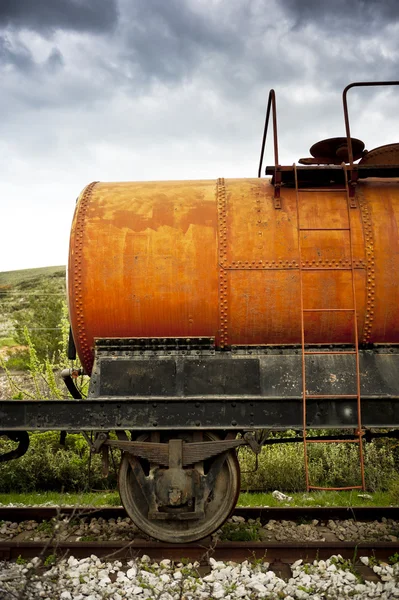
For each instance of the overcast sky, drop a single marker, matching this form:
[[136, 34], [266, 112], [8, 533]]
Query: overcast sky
[[116, 90]]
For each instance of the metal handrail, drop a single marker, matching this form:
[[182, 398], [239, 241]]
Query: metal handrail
[[271, 102], [346, 114]]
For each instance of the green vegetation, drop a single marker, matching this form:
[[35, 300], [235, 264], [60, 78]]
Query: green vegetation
[[25, 276], [111, 498], [32, 299], [281, 466], [106, 498], [321, 498], [49, 466], [241, 532]]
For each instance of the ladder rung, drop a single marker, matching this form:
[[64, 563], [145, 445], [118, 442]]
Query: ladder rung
[[332, 441], [327, 268], [335, 489], [331, 396], [331, 352], [328, 310], [324, 228], [322, 190]]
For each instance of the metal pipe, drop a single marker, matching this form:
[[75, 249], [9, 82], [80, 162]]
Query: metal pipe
[[345, 103], [67, 375]]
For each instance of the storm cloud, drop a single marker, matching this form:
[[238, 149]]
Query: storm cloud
[[152, 89], [96, 16]]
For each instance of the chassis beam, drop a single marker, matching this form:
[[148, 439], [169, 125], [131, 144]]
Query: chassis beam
[[170, 414]]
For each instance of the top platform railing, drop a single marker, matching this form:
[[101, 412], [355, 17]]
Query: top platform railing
[[369, 170]]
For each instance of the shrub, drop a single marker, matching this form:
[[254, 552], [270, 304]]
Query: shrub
[[281, 466], [49, 466]]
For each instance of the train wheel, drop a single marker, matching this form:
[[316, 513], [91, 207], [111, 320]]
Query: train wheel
[[218, 505]]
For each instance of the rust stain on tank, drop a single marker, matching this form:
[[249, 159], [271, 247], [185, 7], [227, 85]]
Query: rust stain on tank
[[147, 259]]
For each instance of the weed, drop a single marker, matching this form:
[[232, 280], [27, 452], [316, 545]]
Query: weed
[[45, 527], [241, 532], [308, 590], [394, 559], [345, 565], [21, 561], [50, 560], [373, 562]]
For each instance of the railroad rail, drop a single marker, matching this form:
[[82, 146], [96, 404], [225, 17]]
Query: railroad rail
[[199, 551], [264, 514], [286, 552]]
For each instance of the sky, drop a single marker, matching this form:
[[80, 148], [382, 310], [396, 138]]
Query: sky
[[140, 90]]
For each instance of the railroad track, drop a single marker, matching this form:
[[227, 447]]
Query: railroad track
[[264, 514], [286, 552]]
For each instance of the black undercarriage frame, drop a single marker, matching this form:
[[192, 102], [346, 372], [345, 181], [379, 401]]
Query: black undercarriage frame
[[174, 384]]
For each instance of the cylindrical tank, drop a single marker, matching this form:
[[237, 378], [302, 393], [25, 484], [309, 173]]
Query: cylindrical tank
[[217, 259]]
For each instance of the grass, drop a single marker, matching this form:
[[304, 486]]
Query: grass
[[111, 498], [346, 498], [11, 278], [7, 342], [60, 499]]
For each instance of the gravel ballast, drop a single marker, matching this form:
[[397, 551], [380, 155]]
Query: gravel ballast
[[94, 579], [100, 529]]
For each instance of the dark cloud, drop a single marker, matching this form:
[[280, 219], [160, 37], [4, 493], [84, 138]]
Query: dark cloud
[[55, 59], [15, 54], [168, 39], [341, 13], [40, 15]]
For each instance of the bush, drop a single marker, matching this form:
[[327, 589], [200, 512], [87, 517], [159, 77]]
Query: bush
[[281, 466], [49, 466]]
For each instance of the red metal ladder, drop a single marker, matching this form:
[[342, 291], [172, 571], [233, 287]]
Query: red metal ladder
[[307, 352]]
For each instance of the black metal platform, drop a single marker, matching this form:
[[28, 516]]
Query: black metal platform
[[329, 175], [195, 413], [170, 384]]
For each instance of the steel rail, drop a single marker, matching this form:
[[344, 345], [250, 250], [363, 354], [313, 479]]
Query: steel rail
[[199, 551], [264, 514]]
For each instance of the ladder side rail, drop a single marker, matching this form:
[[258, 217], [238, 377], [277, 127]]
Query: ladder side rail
[[356, 332], [304, 432]]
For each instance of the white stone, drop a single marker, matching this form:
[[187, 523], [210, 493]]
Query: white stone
[[297, 563], [136, 590], [177, 575], [131, 573], [240, 591], [165, 563], [145, 558]]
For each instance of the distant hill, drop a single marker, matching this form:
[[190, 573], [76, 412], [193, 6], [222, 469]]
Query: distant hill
[[25, 277], [17, 289]]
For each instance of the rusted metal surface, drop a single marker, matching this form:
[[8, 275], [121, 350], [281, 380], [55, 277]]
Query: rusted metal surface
[[153, 260], [383, 155], [333, 151]]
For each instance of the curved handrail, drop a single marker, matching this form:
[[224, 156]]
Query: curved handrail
[[346, 114], [270, 103]]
